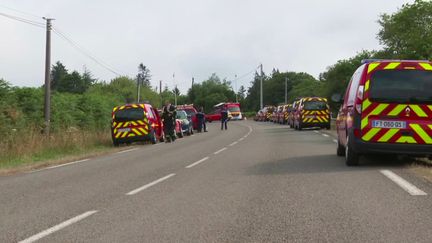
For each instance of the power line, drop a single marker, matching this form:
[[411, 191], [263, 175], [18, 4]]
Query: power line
[[84, 51], [246, 74], [23, 20], [21, 12]]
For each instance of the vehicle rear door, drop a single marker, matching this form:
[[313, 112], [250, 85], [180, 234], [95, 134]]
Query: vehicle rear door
[[397, 105], [130, 121]]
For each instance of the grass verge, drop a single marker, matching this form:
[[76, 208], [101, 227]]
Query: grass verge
[[33, 150]]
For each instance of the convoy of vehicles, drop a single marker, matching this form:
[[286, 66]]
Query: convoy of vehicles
[[141, 122], [265, 114], [387, 108]]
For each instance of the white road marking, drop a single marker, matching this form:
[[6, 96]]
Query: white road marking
[[58, 227], [408, 187], [234, 143], [241, 139], [61, 165], [315, 131], [133, 192], [196, 163], [125, 151], [334, 140], [220, 150], [325, 135]]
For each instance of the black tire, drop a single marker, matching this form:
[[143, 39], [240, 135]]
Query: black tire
[[328, 127], [351, 157], [340, 150], [115, 143]]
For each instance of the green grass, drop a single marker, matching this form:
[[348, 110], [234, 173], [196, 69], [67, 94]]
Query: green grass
[[35, 150]]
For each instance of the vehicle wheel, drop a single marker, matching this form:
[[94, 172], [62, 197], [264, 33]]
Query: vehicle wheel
[[351, 157], [340, 150], [115, 143], [328, 127]]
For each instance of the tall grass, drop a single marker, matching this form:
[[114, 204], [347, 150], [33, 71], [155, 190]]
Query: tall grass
[[30, 146]]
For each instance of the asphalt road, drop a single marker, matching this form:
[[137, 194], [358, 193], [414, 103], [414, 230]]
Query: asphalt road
[[256, 182]]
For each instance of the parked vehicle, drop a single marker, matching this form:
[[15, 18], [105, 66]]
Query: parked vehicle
[[312, 112], [387, 108], [190, 111], [234, 112], [292, 113], [276, 113], [286, 111], [185, 122], [268, 112], [135, 122]]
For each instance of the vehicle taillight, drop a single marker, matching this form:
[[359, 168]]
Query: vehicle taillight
[[358, 106]]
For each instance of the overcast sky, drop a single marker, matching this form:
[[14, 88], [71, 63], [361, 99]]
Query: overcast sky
[[191, 38]]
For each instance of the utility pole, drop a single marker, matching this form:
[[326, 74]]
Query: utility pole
[[286, 90], [236, 92], [193, 80], [175, 90], [160, 93], [261, 87], [175, 95], [47, 107], [138, 87]]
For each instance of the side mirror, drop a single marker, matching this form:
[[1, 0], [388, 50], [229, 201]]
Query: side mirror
[[337, 98]]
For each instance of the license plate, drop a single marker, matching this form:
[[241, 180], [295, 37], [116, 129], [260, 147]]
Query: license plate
[[389, 124], [124, 130], [310, 117]]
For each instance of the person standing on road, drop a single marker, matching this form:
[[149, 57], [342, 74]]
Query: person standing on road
[[200, 118], [204, 126], [168, 117], [224, 118]]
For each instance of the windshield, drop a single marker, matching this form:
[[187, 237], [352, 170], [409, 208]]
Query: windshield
[[190, 112], [234, 109], [401, 86], [315, 105], [181, 115], [131, 114]]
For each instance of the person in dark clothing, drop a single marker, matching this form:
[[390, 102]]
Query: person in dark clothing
[[204, 120], [168, 116], [224, 118], [201, 119]]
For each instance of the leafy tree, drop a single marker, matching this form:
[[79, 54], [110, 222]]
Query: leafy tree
[[211, 92], [241, 93], [58, 74], [407, 34], [143, 75], [176, 91]]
